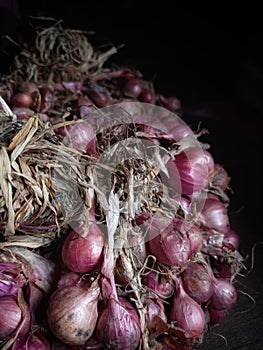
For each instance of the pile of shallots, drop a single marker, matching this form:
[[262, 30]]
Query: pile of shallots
[[153, 260]]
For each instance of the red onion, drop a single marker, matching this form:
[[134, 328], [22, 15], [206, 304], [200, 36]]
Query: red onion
[[84, 105], [214, 215], [171, 246], [173, 343], [83, 251], [10, 316], [198, 282], [81, 136], [147, 96], [190, 170], [160, 283], [174, 241], [33, 341], [195, 238], [231, 240], [187, 314], [224, 294], [47, 99], [72, 312], [22, 113], [171, 102], [14, 317], [216, 316], [99, 95], [155, 311], [118, 325], [22, 99], [133, 87]]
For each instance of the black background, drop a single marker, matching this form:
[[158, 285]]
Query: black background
[[209, 57]]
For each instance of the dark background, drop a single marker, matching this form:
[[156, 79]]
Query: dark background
[[209, 57]]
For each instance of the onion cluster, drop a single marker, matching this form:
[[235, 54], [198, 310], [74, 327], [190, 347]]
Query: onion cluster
[[155, 262]]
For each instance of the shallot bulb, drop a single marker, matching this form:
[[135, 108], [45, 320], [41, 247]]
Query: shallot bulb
[[83, 251], [155, 311], [133, 87], [224, 294], [170, 102], [72, 312], [214, 215], [12, 318], [22, 99], [216, 316], [80, 136], [231, 240], [187, 314], [198, 282], [32, 341], [190, 170], [159, 283], [175, 242], [118, 325]]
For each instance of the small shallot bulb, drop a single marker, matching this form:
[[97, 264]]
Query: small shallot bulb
[[118, 325], [80, 136], [11, 317], [33, 341], [155, 311], [133, 87], [187, 314], [159, 283], [99, 95], [197, 282], [190, 170], [171, 102], [224, 294], [22, 99], [214, 215], [231, 240], [216, 316], [171, 246], [82, 252], [147, 96], [72, 313]]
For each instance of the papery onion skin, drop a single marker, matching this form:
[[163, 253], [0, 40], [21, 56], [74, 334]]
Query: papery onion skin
[[190, 170], [224, 294], [119, 326], [72, 313], [83, 254], [187, 314], [198, 282], [220, 177]]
